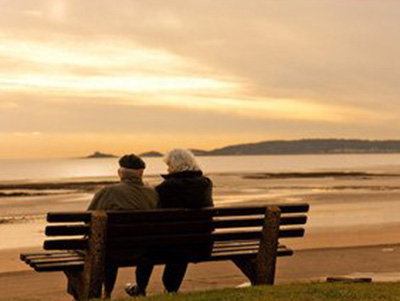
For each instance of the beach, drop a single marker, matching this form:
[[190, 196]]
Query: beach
[[353, 227]]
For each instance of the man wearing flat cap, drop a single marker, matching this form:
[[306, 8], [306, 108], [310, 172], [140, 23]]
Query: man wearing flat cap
[[129, 194]]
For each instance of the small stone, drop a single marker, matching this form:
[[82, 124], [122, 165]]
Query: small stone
[[349, 279]]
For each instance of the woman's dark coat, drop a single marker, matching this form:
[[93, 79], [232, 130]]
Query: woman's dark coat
[[187, 189], [191, 190]]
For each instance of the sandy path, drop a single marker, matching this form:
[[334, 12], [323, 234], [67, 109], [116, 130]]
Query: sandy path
[[379, 262]]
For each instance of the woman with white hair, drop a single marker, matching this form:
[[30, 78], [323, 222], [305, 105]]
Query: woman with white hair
[[184, 186]]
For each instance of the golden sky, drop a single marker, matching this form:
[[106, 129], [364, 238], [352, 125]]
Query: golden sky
[[131, 76]]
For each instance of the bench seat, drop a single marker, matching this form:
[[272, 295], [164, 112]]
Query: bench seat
[[60, 261]]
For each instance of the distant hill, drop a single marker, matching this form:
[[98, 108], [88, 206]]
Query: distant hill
[[291, 147], [310, 146], [99, 155], [151, 154], [199, 152]]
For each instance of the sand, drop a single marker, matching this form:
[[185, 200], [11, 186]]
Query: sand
[[353, 229]]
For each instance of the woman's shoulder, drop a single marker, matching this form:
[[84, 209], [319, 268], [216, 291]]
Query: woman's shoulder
[[167, 183]]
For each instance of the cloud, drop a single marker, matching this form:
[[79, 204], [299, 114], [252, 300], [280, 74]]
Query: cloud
[[265, 69]]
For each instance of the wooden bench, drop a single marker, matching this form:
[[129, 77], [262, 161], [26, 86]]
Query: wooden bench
[[248, 236]]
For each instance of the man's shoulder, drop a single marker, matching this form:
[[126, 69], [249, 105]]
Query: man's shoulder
[[111, 188]]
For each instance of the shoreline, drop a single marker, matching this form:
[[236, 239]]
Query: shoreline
[[354, 202], [11, 189]]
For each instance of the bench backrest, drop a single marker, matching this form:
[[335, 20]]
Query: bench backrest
[[173, 228]]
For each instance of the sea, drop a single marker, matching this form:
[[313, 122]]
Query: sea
[[58, 169]]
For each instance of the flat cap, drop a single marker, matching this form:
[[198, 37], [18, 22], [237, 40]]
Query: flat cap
[[132, 162]]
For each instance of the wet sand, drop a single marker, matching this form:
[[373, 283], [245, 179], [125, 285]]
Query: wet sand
[[350, 215]]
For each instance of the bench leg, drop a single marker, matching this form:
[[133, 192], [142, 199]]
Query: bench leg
[[93, 271], [80, 287], [74, 286], [261, 270], [87, 284], [267, 252], [248, 268]]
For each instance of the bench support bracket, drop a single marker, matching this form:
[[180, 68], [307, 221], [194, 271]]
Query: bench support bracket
[[262, 269], [87, 284]]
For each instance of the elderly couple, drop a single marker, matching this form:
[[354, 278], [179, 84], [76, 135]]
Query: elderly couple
[[183, 187]]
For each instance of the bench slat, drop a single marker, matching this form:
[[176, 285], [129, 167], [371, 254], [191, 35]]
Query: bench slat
[[67, 230], [291, 233], [65, 244], [159, 228], [63, 217], [78, 265], [251, 235], [170, 227], [228, 256], [168, 240], [285, 208], [172, 214], [55, 256], [25, 256], [219, 246], [192, 214], [35, 262], [124, 230], [258, 222], [53, 267]]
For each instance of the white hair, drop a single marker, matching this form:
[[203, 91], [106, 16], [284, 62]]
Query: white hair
[[179, 160]]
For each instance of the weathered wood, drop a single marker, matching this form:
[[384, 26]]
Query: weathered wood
[[285, 208], [246, 235], [34, 262], [28, 260], [258, 222], [75, 282], [267, 253], [240, 247], [292, 220], [172, 214], [55, 267], [67, 230], [229, 244], [235, 249], [291, 232], [185, 239], [24, 256], [164, 215], [68, 217], [66, 244], [247, 265], [158, 241], [168, 227], [93, 272], [159, 228]]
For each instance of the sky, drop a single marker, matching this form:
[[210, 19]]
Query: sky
[[132, 76]]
